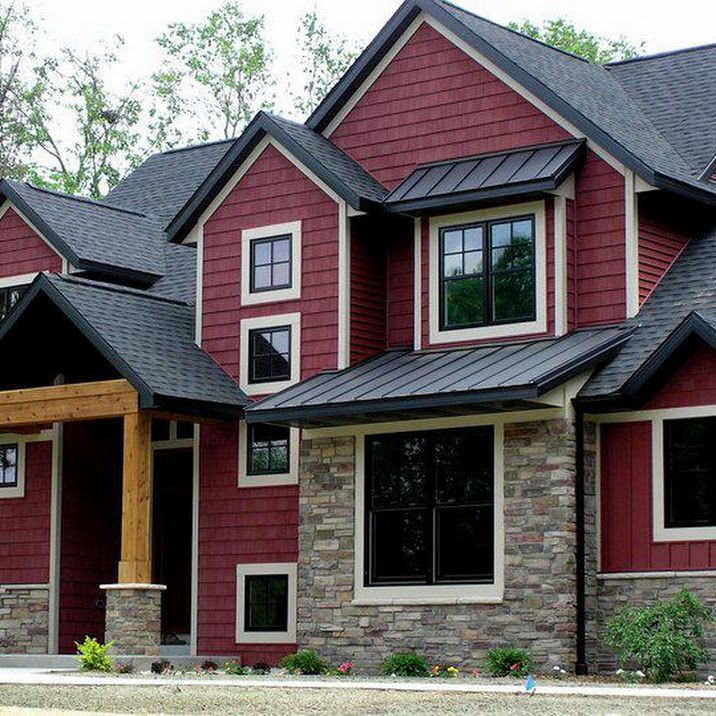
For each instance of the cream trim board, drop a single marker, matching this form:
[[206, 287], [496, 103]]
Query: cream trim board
[[248, 236], [198, 309], [18, 491], [194, 603], [271, 480], [55, 539], [539, 325], [20, 279], [438, 593], [418, 284], [344, 287], [632, 416], [631, 244], [560, 266], [293, 320], [266, 637], [669, 574]]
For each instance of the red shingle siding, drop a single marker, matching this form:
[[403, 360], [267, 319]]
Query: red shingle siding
[[626, 480], [22, 250], [600, 259], [661, 239], [25, 533], [272, 191], [236, 526], [368, 289], [434, 102], [401, 280]]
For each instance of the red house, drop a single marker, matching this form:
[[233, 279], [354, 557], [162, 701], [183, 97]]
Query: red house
[[435, 370]]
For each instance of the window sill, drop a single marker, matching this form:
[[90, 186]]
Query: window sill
[[436, 594], [424, 601]]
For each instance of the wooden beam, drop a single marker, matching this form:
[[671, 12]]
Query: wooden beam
[[63, 403], [136, 560]]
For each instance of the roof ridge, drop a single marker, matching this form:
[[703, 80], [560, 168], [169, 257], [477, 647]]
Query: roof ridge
[[117, 288], [84, 200], [516, 32], [658, 55]]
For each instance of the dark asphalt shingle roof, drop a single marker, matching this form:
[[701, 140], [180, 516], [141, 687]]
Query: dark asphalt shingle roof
[[91, 234], [149, 339], [487, 176], [453, 376], [690, 285], [165, 182], [677, 92]]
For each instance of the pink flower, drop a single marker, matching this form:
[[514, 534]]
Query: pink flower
[[346, 667], [515, 667]]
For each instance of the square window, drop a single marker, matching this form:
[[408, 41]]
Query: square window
[[268, 450], [270, 263], [266, 602], [269, 354], [8, 466]]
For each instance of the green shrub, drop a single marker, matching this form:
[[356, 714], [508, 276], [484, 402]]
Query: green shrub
[[235, 668], [663, 640], [508, 661], [93, 656], [304, 662], [405, 664]]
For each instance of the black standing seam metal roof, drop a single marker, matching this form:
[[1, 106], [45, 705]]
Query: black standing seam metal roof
[[148, 339], [526, 170], [587, 95], [406, 379]]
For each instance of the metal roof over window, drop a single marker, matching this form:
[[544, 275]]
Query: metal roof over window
[[528, 170]]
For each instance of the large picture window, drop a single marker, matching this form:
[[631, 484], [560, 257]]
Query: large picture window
[[430, 507], [690, 472], [487, 273]]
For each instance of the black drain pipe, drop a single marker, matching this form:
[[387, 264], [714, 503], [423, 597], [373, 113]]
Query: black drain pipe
[[581, 666]]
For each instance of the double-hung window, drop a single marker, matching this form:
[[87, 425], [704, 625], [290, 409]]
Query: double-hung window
[[430, 508], [487, 273]]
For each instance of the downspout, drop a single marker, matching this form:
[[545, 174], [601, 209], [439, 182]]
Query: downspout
[[581, 665]]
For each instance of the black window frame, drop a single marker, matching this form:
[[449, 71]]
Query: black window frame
[[250, 441], [487, 273], [5, 294], [431, 579], [253, 380], [671, 474], [248, 603], [252, 263], [3, 448]]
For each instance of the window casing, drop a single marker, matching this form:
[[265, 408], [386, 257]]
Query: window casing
[[271, 263], [268, 450], [9, 296], [430, 508], [266, 602], [487, 273], [9, 466], [269, 354], [690, 473]]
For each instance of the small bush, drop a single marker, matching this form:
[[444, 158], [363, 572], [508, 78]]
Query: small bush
[[663, 640], [235, 668], [304, 662], [93, 656], [405, 664], [161, 667], [508, 661], [261, 667]]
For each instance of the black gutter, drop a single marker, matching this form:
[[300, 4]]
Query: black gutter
[[581, 637]]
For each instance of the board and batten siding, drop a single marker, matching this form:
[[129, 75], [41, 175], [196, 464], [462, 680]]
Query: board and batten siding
[[626, 507], [22, 251]]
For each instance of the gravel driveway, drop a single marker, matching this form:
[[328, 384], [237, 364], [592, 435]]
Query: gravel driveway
[[220, 700]]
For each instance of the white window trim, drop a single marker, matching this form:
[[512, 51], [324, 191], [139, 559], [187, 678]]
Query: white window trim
[[248, 324], [249, 298], [18, 491], [273, 479], [456, 335], [434, 593], [266, 637]]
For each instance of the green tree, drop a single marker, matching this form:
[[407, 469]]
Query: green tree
[[563, 35], [215, 76], [325, 56]]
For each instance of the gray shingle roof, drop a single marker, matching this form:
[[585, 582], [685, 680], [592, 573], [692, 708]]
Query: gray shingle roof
[[487, 176], [690, 285], [458, 377], [91, 234], [149, 340], [677, 92], [165, 182]]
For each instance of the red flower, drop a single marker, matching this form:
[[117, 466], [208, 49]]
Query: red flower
[[515, 667]]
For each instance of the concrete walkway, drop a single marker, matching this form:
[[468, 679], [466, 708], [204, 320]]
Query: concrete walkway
[[39, 677]]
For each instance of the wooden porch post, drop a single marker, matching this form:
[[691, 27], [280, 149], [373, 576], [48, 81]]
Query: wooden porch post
[[135, 566]]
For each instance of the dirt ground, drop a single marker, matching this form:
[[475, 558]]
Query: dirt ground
[[255, 700]]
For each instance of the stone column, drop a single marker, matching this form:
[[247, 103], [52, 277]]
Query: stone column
[[24, 618], [133, 618]]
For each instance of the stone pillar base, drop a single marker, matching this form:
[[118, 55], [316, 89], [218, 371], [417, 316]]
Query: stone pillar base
[[24, 618], [133, 618]]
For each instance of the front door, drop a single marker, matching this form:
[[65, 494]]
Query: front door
[[172, 530]]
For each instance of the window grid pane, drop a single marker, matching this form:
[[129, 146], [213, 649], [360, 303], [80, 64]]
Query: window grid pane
[[270, 354], [268, 450], [8, 465], [270, 263], [266, 602]]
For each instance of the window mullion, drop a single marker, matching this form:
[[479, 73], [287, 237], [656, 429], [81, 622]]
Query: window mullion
[[487, 273]]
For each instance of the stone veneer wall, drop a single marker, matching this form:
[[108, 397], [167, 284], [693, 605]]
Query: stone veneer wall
[[133, 619], [538, 610], [24, 619]]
